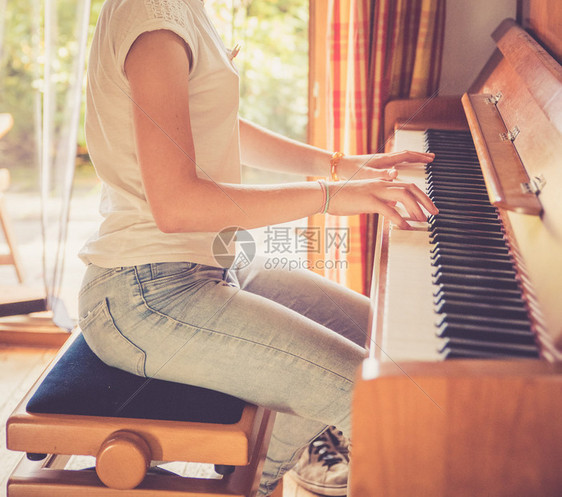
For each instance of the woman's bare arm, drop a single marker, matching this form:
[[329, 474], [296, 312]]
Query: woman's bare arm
[[264, 149], [157, 68]]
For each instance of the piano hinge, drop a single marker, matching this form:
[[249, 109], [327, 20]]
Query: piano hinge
[[494, 99], [535, 185], [510, 135]]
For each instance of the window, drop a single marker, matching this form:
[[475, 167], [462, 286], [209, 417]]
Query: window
[[273, 65]]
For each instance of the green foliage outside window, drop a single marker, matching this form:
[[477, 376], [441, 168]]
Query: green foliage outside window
[[273, 64], [273, 61]]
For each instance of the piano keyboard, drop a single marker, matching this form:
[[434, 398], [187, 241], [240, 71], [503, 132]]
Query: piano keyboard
[[478, 301], [452, 290]]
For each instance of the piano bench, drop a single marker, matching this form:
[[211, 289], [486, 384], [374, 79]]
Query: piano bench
[[80, 406]]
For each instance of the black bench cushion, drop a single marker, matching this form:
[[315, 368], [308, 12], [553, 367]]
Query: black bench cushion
[[82, 384]]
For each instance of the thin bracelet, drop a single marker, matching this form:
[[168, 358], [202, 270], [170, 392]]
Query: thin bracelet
[[326, 196], [327, 199], [334, 161]]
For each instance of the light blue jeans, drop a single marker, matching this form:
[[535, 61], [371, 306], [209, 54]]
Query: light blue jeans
[[287, 340]]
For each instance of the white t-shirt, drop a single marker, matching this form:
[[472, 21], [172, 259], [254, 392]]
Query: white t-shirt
[[128, 234]]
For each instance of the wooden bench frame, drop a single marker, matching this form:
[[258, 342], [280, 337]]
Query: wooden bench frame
[[243, 444]]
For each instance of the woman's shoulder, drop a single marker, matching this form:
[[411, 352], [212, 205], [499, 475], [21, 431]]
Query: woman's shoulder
[[170, 10], [124, 18]]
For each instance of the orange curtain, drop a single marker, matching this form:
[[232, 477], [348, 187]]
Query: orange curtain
[[377, 50], [405, 62], [347, 125]]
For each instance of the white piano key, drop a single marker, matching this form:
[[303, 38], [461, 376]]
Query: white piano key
[[409, 140], [409, 320]]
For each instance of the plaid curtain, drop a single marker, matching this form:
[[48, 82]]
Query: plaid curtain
[[378, 50]]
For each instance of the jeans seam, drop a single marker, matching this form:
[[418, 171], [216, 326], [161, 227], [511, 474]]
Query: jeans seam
[[102, 277], [209, 330]]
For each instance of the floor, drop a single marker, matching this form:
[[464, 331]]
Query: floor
[[19, 368]]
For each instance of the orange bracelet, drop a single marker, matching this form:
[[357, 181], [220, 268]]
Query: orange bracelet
[[334, 161]]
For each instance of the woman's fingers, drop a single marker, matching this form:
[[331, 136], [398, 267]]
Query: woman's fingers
[[411, 197], [379, 195], [371, 173], [409, 156], [392, 173], [391, 213], [412, 207], [422, 198], [382, 166], [401, 158]]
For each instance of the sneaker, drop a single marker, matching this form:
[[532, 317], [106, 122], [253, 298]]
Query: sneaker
[[341, 443], [324, 466]]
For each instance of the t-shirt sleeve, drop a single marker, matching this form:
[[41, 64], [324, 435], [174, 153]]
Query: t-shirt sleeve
[[172, 15]]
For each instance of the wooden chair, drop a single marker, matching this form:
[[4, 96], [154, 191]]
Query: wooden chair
[[12, 257], [80, 406]]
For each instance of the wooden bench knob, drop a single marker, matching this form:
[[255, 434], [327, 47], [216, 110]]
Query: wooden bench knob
[[123, 460]]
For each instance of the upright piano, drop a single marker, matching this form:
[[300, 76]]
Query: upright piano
[[462, 392]]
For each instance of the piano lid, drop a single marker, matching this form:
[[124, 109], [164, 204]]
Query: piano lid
[[507, 181]]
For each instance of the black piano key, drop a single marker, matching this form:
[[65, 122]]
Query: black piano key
[[455, 172], [464, 156], [448, 232], [480, 309], [438, 174], [468, 296], [493, 226], [507, 323], [459, 156], [449, 136], [463, 191], [447, 204], [500, 275], [463, 353], [453, 179], [465, 183], [468, 253], [473, 247], [483, 333], [458, 191], [475, 279], [468, 215], [461, 239], [473, 262], [475, 290], [501, 348]]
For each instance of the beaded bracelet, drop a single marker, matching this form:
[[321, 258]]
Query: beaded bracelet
[[334, 161]]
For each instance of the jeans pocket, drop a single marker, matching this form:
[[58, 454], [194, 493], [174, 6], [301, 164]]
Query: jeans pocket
[[108, 343]]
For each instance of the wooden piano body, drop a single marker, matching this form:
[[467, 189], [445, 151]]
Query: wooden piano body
[[455, 428]]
